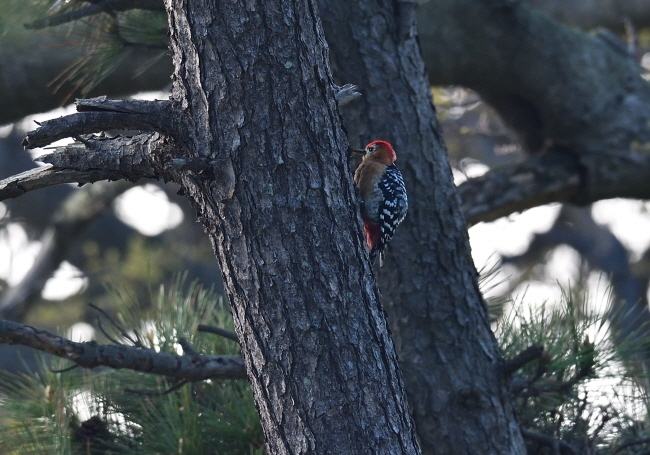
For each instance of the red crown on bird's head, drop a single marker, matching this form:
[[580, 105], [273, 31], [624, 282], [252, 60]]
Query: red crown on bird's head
[[379, 149]]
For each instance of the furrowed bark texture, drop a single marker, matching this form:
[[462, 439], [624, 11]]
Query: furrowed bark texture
[[447, 353], [282, 215]]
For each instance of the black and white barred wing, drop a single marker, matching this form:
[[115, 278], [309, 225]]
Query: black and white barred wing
[[394, 206]]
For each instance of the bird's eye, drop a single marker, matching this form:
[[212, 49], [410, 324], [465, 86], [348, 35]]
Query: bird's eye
[[371, 148]]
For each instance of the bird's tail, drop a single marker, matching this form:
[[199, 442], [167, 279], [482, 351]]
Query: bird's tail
[[373, 257]]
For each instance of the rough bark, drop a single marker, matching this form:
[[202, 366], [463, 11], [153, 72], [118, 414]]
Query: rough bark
[[429, 285], [282, 215], [100, 114], [94, 159], [262, 157]]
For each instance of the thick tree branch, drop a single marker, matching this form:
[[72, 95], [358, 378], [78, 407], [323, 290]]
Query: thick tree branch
[[100, 114], [128, 158], [555, 177], [85, 123], [44, 177], [502, 191], [103, 103], [524, 64], [92, 355]]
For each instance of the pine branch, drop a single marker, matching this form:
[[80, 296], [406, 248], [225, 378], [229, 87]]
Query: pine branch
[[524, 357], [155, 393], [218, 331], [135, 341], [102, 103], [94, 158], [103, 6], [92, 355], [37, 178], [510, 189]]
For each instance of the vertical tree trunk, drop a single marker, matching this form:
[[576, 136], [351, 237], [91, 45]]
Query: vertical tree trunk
[[280, 209], [448, 354]]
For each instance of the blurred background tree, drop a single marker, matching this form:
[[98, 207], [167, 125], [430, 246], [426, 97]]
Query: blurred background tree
[[537, 97]]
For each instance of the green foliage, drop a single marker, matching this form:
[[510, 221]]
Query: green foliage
[[582, 390], [91, 412], [109, 39], [15, 13]]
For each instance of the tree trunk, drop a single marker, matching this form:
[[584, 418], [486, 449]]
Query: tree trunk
[[447, 351], [559, 88], [280, 209]]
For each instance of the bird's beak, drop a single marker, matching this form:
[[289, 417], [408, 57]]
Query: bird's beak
[[358, 152]]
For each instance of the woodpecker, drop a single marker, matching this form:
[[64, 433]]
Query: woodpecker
[[383, 196]]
